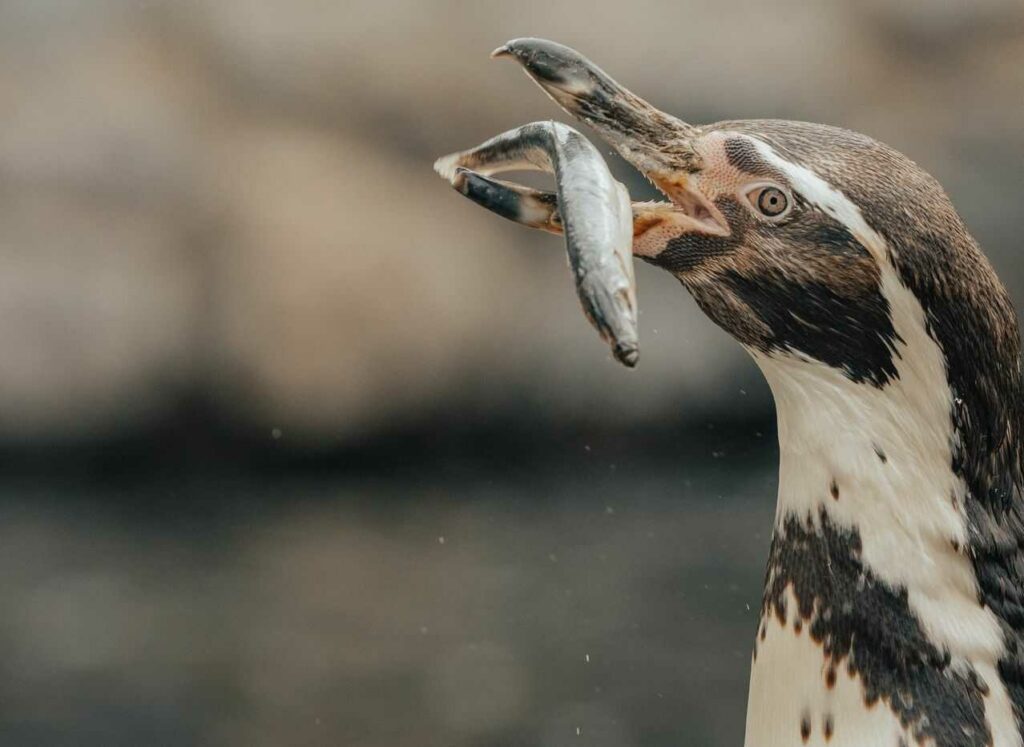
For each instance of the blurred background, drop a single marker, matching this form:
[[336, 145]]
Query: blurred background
[[298, 447]]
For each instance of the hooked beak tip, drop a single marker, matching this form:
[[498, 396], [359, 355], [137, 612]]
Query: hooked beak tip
[[551, 64], [523, 47]]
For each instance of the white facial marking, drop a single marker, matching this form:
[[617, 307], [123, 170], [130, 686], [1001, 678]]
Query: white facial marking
[[824, 196], [907, 509]]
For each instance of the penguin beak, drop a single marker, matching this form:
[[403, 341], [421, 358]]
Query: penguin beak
[[657, 144]]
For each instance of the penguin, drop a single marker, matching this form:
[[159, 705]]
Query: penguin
[[893, 605]]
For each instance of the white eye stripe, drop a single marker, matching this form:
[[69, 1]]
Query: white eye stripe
[[827, 198]]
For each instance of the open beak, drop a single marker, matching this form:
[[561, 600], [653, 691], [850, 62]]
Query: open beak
[[657, 144], [602, 227]]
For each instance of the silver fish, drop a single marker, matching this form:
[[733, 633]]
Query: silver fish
[[590, 208]]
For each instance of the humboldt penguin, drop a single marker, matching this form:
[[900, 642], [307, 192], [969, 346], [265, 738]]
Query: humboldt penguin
[[893, 606]]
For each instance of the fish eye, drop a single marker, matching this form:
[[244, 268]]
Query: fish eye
[[769, 200]]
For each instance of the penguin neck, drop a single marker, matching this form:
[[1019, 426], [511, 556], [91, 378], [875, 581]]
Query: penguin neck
[[874, 460], [867, 472], [869, 556]]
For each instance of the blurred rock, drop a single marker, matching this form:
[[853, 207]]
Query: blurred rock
[[98, 308], [102, 285], [236, 199], [342, 299]]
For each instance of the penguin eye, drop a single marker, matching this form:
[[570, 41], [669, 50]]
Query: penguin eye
[[769, 200]]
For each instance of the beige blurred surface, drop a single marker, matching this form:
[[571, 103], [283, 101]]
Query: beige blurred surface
[[236, 198]]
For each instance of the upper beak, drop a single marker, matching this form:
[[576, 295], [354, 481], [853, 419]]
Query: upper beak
[[656, 143], [659, 145]]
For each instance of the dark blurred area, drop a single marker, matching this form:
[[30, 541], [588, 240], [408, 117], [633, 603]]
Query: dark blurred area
[[298, 447]]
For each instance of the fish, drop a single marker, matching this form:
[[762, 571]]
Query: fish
[[590, 208]]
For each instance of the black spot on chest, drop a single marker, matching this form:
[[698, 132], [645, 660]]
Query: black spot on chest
[[805, 727], [863, 621]]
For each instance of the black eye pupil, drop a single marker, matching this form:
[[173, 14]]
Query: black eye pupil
[[771, 202]]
